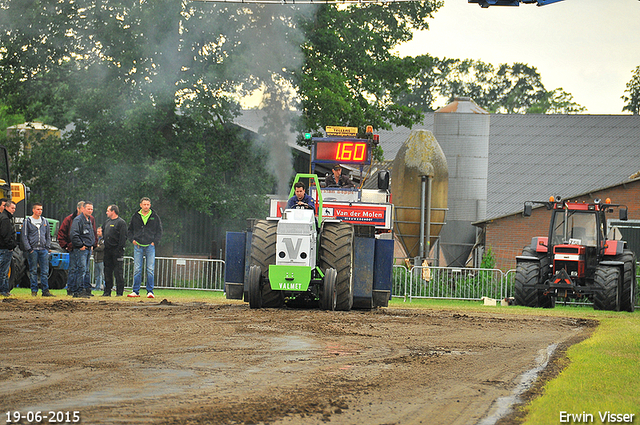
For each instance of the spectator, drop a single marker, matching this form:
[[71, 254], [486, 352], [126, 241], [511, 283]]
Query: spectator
[[115, 238], [145, 230], [83, 238], [98, 264], [7, 244], [63, 237], [36, 239]]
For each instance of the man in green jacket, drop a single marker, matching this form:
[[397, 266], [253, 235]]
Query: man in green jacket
[[145, 231]]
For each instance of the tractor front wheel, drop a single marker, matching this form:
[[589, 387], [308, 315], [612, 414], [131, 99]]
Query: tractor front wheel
[[524, 288], [606, 282], [255, 291], [329, 297], [263, 254]]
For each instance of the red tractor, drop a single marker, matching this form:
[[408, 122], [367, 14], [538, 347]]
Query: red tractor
[[580, 259]]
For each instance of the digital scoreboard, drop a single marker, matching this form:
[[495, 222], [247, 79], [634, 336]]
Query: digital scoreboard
[[341, 150]]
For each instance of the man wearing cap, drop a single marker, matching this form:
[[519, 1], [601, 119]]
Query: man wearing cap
[[337, 179]]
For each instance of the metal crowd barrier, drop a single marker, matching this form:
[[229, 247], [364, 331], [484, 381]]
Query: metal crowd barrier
[[178, 273], [450, 283], [456, 283]]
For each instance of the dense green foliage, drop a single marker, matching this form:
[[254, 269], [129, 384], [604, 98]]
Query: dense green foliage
[[506, 89], [632, 100]]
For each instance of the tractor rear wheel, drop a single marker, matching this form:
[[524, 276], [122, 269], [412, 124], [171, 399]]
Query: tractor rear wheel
[[263, 254], [57, 278], [329, 298], [524, 288], [255, 291], [336, 252], [606, 282], [629, 284], [18, 275]]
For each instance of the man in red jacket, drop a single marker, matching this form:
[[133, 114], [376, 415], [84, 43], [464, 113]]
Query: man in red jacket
[[65, 241]]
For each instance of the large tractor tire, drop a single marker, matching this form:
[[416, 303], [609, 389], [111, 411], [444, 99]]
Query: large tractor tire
[[629, 284], [57, 278], [18, 275], [524, 287], [607, 296], [544, 301], [263, 254], [336, 252]]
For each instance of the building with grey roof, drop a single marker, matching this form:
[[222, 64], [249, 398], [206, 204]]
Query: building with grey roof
[[535, 156]]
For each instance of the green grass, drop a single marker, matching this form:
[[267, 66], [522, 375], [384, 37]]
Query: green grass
[[603, 375], [603, 372]]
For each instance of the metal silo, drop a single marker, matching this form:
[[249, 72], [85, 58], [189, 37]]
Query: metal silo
[[462, 129]]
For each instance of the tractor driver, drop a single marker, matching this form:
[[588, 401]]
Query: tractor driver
[[337, 179], [300, 200]]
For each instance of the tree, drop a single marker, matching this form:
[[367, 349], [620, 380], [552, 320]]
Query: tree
[[515, 88], [350, 75], [632, 101], [148, 93]]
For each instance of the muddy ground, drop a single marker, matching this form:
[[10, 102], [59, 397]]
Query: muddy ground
[[162, 362]]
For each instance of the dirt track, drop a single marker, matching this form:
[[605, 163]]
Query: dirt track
[[154, 361]]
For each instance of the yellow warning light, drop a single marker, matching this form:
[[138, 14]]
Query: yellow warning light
[[369, 129], [607, 201]]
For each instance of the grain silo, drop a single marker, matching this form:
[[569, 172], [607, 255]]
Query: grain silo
[[462, 129]]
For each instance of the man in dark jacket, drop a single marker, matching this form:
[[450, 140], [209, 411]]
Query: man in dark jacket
[[7, 243], [36, 238], [114, 232], [63, 236], [336, 179], [64, 240], [145, 231], [83, 238]]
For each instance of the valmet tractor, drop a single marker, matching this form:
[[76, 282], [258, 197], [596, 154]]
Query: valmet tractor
[[579, 259], [338, 256]]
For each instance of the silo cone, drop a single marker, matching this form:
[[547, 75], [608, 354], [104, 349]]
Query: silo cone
[[419, 156], [462, 129]]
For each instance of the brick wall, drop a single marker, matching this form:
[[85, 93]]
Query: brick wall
[[508, 235]]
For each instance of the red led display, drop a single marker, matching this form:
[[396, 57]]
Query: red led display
[[352, 152]]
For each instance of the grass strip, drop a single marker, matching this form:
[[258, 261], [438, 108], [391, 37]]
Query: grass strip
[[603, 377]]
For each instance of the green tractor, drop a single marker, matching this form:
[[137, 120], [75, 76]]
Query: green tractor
[[290, 259], [297, 258]]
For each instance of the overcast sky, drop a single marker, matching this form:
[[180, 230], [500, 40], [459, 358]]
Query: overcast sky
[[588, 47]]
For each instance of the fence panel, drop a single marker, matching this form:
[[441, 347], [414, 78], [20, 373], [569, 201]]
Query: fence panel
[[178, 273], [448, 283]]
